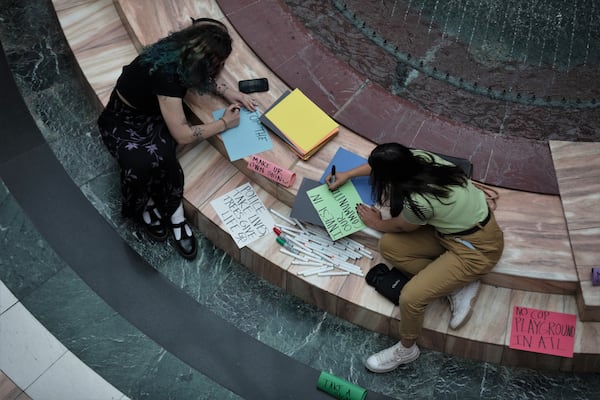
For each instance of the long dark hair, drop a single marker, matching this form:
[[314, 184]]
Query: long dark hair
[[397, 173], [195, 54]]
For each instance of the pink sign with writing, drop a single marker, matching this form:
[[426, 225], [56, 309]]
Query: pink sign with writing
[[542, 331], [272, 171]]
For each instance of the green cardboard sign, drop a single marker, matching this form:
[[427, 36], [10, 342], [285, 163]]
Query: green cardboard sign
[[337, 209]]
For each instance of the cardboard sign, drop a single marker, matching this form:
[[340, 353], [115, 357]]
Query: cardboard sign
[[302, 208], [543, 331], [249, 137], [345, 160], [337, 209], [271, 171], [245, 216]]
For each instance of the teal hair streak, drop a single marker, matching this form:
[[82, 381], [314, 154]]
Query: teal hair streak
[[164, 55], [195, 55]]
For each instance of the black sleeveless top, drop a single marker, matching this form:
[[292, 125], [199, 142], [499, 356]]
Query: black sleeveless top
[[140, 88]]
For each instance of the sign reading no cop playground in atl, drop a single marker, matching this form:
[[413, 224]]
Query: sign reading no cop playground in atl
[[543, 331]]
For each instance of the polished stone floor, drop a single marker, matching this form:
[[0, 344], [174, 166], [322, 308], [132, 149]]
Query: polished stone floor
[[126, 357]]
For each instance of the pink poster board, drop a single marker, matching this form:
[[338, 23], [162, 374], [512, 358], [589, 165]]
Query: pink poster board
[[542, 331]]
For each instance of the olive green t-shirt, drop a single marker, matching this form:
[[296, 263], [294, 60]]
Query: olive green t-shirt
[[463, 209]]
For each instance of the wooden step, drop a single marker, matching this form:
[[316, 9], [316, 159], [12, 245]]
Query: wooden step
[[94, 29], [577, 168]]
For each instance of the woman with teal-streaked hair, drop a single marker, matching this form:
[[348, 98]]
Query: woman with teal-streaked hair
[[144, 122]]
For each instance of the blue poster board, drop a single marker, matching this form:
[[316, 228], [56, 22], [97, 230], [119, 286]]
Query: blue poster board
[[345, 160], [249, 137]]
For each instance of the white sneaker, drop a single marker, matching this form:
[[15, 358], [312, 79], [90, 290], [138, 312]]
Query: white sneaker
[[461, 304], [390, 358]]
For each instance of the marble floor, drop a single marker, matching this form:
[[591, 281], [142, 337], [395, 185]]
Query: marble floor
[[42, 287]]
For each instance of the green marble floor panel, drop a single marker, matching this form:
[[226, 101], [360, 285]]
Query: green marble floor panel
[[200, 278], [85, 324], [62, 104], [111, 346], [26, 261]]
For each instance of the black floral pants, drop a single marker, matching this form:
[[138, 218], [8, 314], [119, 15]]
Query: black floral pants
[[146, 153]]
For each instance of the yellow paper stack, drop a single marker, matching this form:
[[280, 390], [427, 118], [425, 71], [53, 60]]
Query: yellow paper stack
[[300, 123]]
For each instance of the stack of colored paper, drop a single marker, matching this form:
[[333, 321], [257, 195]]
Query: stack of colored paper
[[300, 123]]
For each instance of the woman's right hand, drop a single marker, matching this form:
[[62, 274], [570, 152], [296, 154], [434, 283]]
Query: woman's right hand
[[231, 116], [343, 177], [340, 179]]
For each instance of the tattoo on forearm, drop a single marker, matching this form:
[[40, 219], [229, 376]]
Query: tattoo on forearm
[[197, 131]]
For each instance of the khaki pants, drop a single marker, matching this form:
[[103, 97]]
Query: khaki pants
[[439, 265]]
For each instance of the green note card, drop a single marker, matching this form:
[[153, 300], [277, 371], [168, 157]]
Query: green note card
[[337, 209]]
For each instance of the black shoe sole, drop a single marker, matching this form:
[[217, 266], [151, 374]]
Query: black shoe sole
[[188, 256], [150, 232]]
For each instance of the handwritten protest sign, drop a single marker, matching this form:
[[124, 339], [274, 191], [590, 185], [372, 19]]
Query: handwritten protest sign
[[245, 216], [345, 160], [337, 209], [543, 331], [271, 170], [249, 137]]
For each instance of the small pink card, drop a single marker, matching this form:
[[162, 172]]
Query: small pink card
[[274, 172], [543, 331]]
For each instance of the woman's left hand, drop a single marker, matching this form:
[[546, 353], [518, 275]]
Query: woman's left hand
[[235, 96], [371, 216]]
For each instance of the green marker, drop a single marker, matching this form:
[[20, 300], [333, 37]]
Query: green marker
[[339, 388]]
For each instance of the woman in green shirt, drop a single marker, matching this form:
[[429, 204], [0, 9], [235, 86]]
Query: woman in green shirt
[[441, 234]]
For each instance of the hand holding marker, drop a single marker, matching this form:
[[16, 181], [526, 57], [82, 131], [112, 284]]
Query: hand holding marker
[[332, 180]]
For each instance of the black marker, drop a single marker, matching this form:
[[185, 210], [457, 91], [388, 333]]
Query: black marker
[[332, 180]]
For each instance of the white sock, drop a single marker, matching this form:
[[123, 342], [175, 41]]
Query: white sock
[[177, 218], [146, 214]]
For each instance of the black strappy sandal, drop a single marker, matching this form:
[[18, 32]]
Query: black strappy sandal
[[187, 245], [156, 229]]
